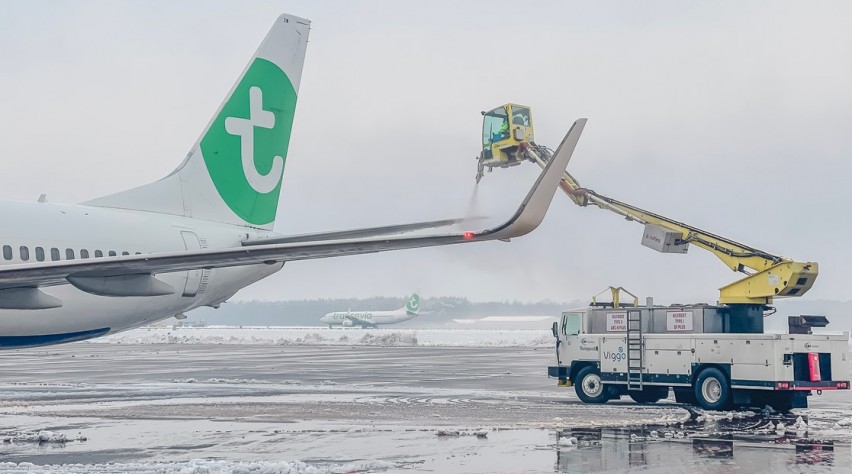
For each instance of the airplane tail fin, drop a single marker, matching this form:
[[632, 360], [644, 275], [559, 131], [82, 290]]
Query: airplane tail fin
[[233, 173], [412, 306]]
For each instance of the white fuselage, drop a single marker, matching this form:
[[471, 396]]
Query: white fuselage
[[49, 230], [366, 318]]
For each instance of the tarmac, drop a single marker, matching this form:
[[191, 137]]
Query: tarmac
[[265, 408]]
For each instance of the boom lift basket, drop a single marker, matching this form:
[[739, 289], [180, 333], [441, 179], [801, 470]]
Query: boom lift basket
[[504, 130]]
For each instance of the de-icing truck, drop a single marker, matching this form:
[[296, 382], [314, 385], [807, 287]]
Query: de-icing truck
[[714, 356], [607, 351]]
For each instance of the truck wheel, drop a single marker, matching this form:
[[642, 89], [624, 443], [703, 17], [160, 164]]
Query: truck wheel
[[650, 394], [589, 386], [711, 390]]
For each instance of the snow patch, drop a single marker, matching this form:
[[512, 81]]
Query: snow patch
[[223, 380], [202, 466], [43, 436], [284, 336], [843, 422], [723, 415], [482, 434], [392, 339], [674, 418]]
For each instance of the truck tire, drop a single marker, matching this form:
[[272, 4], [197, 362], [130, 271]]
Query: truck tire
[[712, 391], [589, 386], [649, 394]]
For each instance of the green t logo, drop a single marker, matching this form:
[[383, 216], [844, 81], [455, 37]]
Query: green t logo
[[413, 305], [246, 145]]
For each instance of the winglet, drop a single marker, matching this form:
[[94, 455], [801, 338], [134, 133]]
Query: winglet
[[534, 207]]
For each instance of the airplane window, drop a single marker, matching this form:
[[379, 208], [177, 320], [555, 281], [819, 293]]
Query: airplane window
[[7, 252], [125, 253], [69, 254], [39, 254], [138, 253], [84, 253], [25, 253], [112, 253], [98, 253], [54, 254]]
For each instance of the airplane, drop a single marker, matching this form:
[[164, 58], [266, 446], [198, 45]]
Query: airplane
[[372, 319], [70, 272]]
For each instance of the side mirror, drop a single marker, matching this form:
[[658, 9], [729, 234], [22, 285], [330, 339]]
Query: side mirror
[[555, 329]]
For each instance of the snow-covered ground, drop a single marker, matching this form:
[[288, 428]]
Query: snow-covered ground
[[258, 400], [318, 336], [323, 336], [199, 466]]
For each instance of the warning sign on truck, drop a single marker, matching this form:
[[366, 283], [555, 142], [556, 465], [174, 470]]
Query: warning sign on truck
[[678, 320], [616, 322]]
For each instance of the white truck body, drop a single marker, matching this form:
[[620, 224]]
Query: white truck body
[[672, 349]]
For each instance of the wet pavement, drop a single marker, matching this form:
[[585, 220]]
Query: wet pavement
[[262, 408]]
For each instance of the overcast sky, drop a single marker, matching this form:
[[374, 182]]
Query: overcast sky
[[731, 116]]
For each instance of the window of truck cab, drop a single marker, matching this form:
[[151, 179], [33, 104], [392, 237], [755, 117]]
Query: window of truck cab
[[495, 127], [572, 323], [521, 116]]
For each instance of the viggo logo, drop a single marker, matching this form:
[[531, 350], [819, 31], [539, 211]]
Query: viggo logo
[[615, 356]]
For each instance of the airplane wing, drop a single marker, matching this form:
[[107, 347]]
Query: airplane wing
[[528, 216], [359, 321], [357, 233]]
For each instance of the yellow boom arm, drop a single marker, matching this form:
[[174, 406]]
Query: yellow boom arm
[[768, 275]]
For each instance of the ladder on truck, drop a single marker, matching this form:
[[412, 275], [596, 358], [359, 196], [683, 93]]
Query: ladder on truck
[[635, 350]]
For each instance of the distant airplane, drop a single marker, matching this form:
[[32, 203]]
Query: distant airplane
[[371, 319], [197, 236]]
